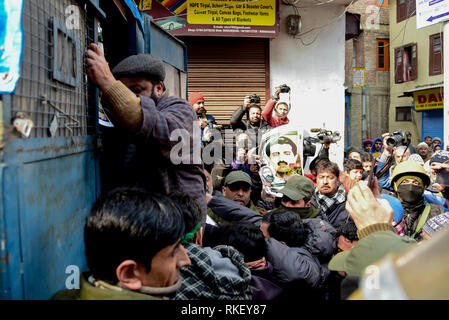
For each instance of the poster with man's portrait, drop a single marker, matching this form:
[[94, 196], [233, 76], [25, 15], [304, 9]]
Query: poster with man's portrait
[[280, 152]]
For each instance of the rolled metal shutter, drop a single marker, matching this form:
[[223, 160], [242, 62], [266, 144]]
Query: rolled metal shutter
[[225, 70]]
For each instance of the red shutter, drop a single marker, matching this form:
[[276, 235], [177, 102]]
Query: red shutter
[[414, 62]]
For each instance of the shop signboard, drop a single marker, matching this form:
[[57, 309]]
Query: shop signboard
[[230, 18], [428, 99]]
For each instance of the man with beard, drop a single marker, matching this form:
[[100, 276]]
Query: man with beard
[[196, 100], [136, 151], [254, 122], [423, 151], [409, 181]]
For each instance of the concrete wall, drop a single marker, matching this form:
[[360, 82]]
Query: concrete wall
[[402, 34], [374, 25], [315, 72]]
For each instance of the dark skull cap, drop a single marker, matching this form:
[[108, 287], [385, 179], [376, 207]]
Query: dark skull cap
[[140, 65]]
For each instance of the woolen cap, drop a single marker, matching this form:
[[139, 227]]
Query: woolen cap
[[422, 145], [441, 156], [194, 97], [298, 187], [237, 176], [367, 251], [140, 65]]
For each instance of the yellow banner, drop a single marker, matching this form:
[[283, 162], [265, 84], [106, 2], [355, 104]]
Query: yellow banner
[[428, 99], [145, 5], [232, 12]]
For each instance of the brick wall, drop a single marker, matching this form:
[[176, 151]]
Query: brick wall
[[374, 25]]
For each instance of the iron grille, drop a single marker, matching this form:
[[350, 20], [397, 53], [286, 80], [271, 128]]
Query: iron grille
[[53, 90]]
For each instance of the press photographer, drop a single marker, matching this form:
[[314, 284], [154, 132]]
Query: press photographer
[[325, 138], [196, 100], [397, 148], [253, 112], [276, 110]]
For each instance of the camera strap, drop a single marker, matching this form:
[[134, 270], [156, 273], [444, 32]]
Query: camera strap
[[385, 167]]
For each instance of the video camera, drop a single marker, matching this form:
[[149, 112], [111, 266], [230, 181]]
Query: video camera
[[284, 88], [254, 98], [399, 138], [323, 136], [326, 136]]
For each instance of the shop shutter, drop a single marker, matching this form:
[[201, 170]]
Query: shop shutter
[[225, 70], [432, 123]]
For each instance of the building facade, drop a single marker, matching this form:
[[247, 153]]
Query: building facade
[[367, 71], [416, 76], [306, 52]]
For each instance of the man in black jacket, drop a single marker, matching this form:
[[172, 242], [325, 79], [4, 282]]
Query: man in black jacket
[[304, 265], [253, 122], [330, 195]]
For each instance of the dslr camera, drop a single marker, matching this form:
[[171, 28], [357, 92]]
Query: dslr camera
[[399, 138], [284, 88], [254, 98]]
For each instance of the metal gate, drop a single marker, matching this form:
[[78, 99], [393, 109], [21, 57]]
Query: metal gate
[[49, 177]]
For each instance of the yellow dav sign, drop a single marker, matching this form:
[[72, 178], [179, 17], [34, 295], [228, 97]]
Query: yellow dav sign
[[232, 12]]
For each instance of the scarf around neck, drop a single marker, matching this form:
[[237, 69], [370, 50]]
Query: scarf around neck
[[412, 212], [327, 205]]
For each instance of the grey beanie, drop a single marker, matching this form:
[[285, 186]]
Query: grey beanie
[[144, 65]]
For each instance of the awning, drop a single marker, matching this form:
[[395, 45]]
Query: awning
[[409, 93]]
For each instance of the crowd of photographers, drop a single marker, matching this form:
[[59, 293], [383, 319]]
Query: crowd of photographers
[[194, 231]]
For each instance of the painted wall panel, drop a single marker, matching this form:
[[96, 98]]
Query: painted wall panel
[[55, 197], [313, 67]]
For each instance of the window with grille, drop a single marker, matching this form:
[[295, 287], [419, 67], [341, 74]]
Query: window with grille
[[403, 114], [436, 54], [52, 90]]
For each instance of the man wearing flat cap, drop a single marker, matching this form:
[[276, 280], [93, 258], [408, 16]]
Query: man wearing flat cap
[[144, 119], [297, 195]]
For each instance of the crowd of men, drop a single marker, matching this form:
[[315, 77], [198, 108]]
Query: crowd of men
[[183, 231]]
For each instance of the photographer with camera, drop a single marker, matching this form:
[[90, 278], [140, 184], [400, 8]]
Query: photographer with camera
[[275, 111], [396, 150], [196, 100], [251, 108]]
